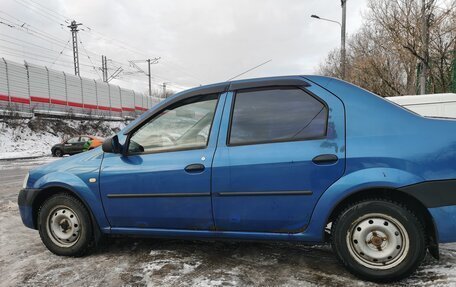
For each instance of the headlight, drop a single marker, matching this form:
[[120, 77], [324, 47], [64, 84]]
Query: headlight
[[24, 184]]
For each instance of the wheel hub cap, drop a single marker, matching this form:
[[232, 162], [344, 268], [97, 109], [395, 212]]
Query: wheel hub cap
[[378, 241], [64, 226]]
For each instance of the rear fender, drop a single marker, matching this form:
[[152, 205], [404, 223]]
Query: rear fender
[[351, 183]]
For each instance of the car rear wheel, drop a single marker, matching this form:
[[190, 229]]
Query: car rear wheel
[[65, 226], [379, 240], [58, 153]]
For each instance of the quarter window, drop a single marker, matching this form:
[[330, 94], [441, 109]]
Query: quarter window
[[185, 126], [282, 114]]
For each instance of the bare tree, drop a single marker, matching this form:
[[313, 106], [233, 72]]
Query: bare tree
[[384, 55]]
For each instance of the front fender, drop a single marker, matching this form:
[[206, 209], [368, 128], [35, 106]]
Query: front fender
[[81, 187], [351, 183]]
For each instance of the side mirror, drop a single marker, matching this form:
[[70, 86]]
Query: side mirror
[[112, 145]]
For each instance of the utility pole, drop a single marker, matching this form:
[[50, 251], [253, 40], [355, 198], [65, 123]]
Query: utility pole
[[425, 54], [164, 89], [342, 37], [104, 68], [149, 62], [74, 34], [150, 80]]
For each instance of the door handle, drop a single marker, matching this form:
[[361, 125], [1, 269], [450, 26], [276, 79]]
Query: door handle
[[196, 167], [325, 159]]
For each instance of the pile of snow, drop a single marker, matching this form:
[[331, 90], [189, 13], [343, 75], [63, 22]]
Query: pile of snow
[[28, 140], [21, 142]]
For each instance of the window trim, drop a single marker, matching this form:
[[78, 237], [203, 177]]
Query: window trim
[[159, 112], [228, 136]]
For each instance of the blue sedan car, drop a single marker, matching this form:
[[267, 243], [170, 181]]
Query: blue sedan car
[[296, 158]]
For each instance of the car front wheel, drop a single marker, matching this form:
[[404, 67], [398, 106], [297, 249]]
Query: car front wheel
[[65, 226], [379, 240], [58, 153]]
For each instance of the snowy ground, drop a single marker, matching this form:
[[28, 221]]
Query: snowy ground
[[22, 142], [24, 261]]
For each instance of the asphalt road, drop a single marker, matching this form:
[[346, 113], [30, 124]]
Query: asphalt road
[[24, 261]]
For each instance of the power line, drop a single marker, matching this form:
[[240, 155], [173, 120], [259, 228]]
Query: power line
[[113, 41], [61, 52], [25, 43], [90, 59], [52, 11], [58, 18], [24, 27], [37, 11], [36, 54]]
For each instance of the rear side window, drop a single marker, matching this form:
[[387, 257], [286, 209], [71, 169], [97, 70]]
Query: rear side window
[[282, 114]]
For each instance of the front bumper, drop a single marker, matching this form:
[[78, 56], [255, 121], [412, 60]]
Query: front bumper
[[25, 202]]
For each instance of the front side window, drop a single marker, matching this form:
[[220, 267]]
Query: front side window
[[185, 126], [73, 140], [281, 114]]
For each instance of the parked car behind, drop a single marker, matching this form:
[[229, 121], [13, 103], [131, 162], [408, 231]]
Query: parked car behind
[[299, 158], [75, 145]]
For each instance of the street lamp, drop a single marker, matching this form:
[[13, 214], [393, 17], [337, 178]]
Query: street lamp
[[342, 34]]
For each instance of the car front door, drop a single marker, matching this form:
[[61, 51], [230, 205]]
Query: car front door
[[70, 146], [279, 149], [164, 179]]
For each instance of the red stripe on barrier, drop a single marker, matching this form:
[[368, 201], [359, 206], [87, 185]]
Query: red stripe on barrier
[[39, 99], [58, 102], [73, 104], [88, 106], [64, 103], [20, 100], [4, 98], [104, 108]]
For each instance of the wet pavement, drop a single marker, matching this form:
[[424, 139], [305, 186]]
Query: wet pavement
[[25, 261]]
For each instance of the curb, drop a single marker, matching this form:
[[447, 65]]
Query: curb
[[23, 157]]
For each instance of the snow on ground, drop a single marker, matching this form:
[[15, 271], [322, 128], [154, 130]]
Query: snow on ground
[[25, 261], [21, 141]]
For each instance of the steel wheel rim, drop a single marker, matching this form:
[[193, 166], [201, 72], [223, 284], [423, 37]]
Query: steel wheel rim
[[378, 241], [64, 226]]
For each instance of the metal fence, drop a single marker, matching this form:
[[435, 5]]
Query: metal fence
[[35, 89]]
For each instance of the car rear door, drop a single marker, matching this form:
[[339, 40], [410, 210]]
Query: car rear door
[[279, 149]]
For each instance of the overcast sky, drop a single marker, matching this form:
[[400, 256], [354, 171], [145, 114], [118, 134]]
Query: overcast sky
[[199, 41]]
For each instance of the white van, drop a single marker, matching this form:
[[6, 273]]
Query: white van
[[433, 105]]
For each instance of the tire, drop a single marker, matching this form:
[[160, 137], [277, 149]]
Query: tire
[[379, 240], [57, 153], [65, 226]]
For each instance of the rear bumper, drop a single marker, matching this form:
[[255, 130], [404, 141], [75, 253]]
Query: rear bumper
[[439, 196], [25, 202], [445, 222]]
